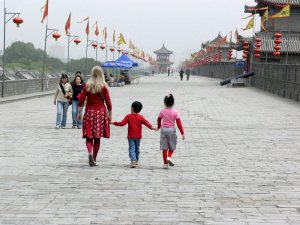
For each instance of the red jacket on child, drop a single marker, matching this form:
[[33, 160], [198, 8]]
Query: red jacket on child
[[135, 122]]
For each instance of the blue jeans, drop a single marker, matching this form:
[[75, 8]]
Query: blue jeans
[[74, 113], [62, 110], [134, 148]]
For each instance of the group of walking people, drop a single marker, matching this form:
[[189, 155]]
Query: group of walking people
[[187, 72], [66, 94], [97, 118]]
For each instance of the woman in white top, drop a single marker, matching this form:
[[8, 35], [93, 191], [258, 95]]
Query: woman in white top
[[62, 95]]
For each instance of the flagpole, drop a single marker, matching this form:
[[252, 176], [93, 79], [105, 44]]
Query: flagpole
[[96, 54], [105, 51], [68, 51], [69, 41], [44, 59], [86, 53]]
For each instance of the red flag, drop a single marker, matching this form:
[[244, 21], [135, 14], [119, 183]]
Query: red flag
[[97, 30], [45, 11], [105, 34], [68, 25], [87, 29]]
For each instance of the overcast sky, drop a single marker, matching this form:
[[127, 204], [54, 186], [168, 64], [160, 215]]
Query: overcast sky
[[182, 25]]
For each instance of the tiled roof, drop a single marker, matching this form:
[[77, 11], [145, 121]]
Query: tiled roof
[[163, 50], [279, 2], [290, 42]]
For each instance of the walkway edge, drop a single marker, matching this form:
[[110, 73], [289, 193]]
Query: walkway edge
[[26, 96]]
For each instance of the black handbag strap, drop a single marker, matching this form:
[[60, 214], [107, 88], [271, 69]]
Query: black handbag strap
[[62, 89]]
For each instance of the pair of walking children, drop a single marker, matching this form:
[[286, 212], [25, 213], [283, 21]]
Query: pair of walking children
[[165, 122]]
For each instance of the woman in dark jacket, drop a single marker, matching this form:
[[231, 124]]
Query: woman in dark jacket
[[77, 86]]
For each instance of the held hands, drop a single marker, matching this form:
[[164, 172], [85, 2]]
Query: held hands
[[153, 128], [79, 116]]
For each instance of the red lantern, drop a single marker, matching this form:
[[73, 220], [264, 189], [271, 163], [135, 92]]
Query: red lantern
[[18, 20], [257, 45], [257, 40], [257, 55], [77, 41], [94, 44], [277, 42], [229, 56], [257, 51], [126, 52], [112, 49], [56, 35], [220, 56], [119, 50], [246, 49], [102, 46], [277, 47], [278, 35]]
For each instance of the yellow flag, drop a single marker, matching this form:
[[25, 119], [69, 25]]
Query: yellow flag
[[250, 24], [114, 37], [121, 40], [284, 12], [264, 18]]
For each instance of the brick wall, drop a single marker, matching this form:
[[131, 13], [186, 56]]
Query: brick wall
[[19, 87], [283, 80]]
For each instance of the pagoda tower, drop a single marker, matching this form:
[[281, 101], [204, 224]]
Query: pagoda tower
[[163, 59]]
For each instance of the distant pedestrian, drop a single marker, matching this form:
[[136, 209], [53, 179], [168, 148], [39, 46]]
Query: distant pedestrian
[[96, 118], [62, 98], [168, 138], [169, 71], [77, 86], [135, 122], [188, 73], [181, 72]]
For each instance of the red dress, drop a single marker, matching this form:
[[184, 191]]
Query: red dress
[[95, 122]]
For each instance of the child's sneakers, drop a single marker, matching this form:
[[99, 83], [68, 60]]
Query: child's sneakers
[[170, 162], [133, 164], [165, 166]]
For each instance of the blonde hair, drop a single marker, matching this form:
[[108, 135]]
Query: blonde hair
[[97, 81]]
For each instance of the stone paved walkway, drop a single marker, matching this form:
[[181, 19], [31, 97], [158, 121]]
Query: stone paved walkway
[[240, 163]]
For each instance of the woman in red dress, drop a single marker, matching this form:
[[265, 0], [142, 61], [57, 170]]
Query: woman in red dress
[[96, 118]]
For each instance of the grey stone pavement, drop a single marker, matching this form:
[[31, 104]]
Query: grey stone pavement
[[239, 164]]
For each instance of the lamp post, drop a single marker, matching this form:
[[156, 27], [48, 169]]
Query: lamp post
[[17, 21], [55, 35], [95, 45], [70, 39]]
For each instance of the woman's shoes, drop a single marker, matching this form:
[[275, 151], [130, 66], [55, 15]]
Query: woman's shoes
[[91, 161]]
